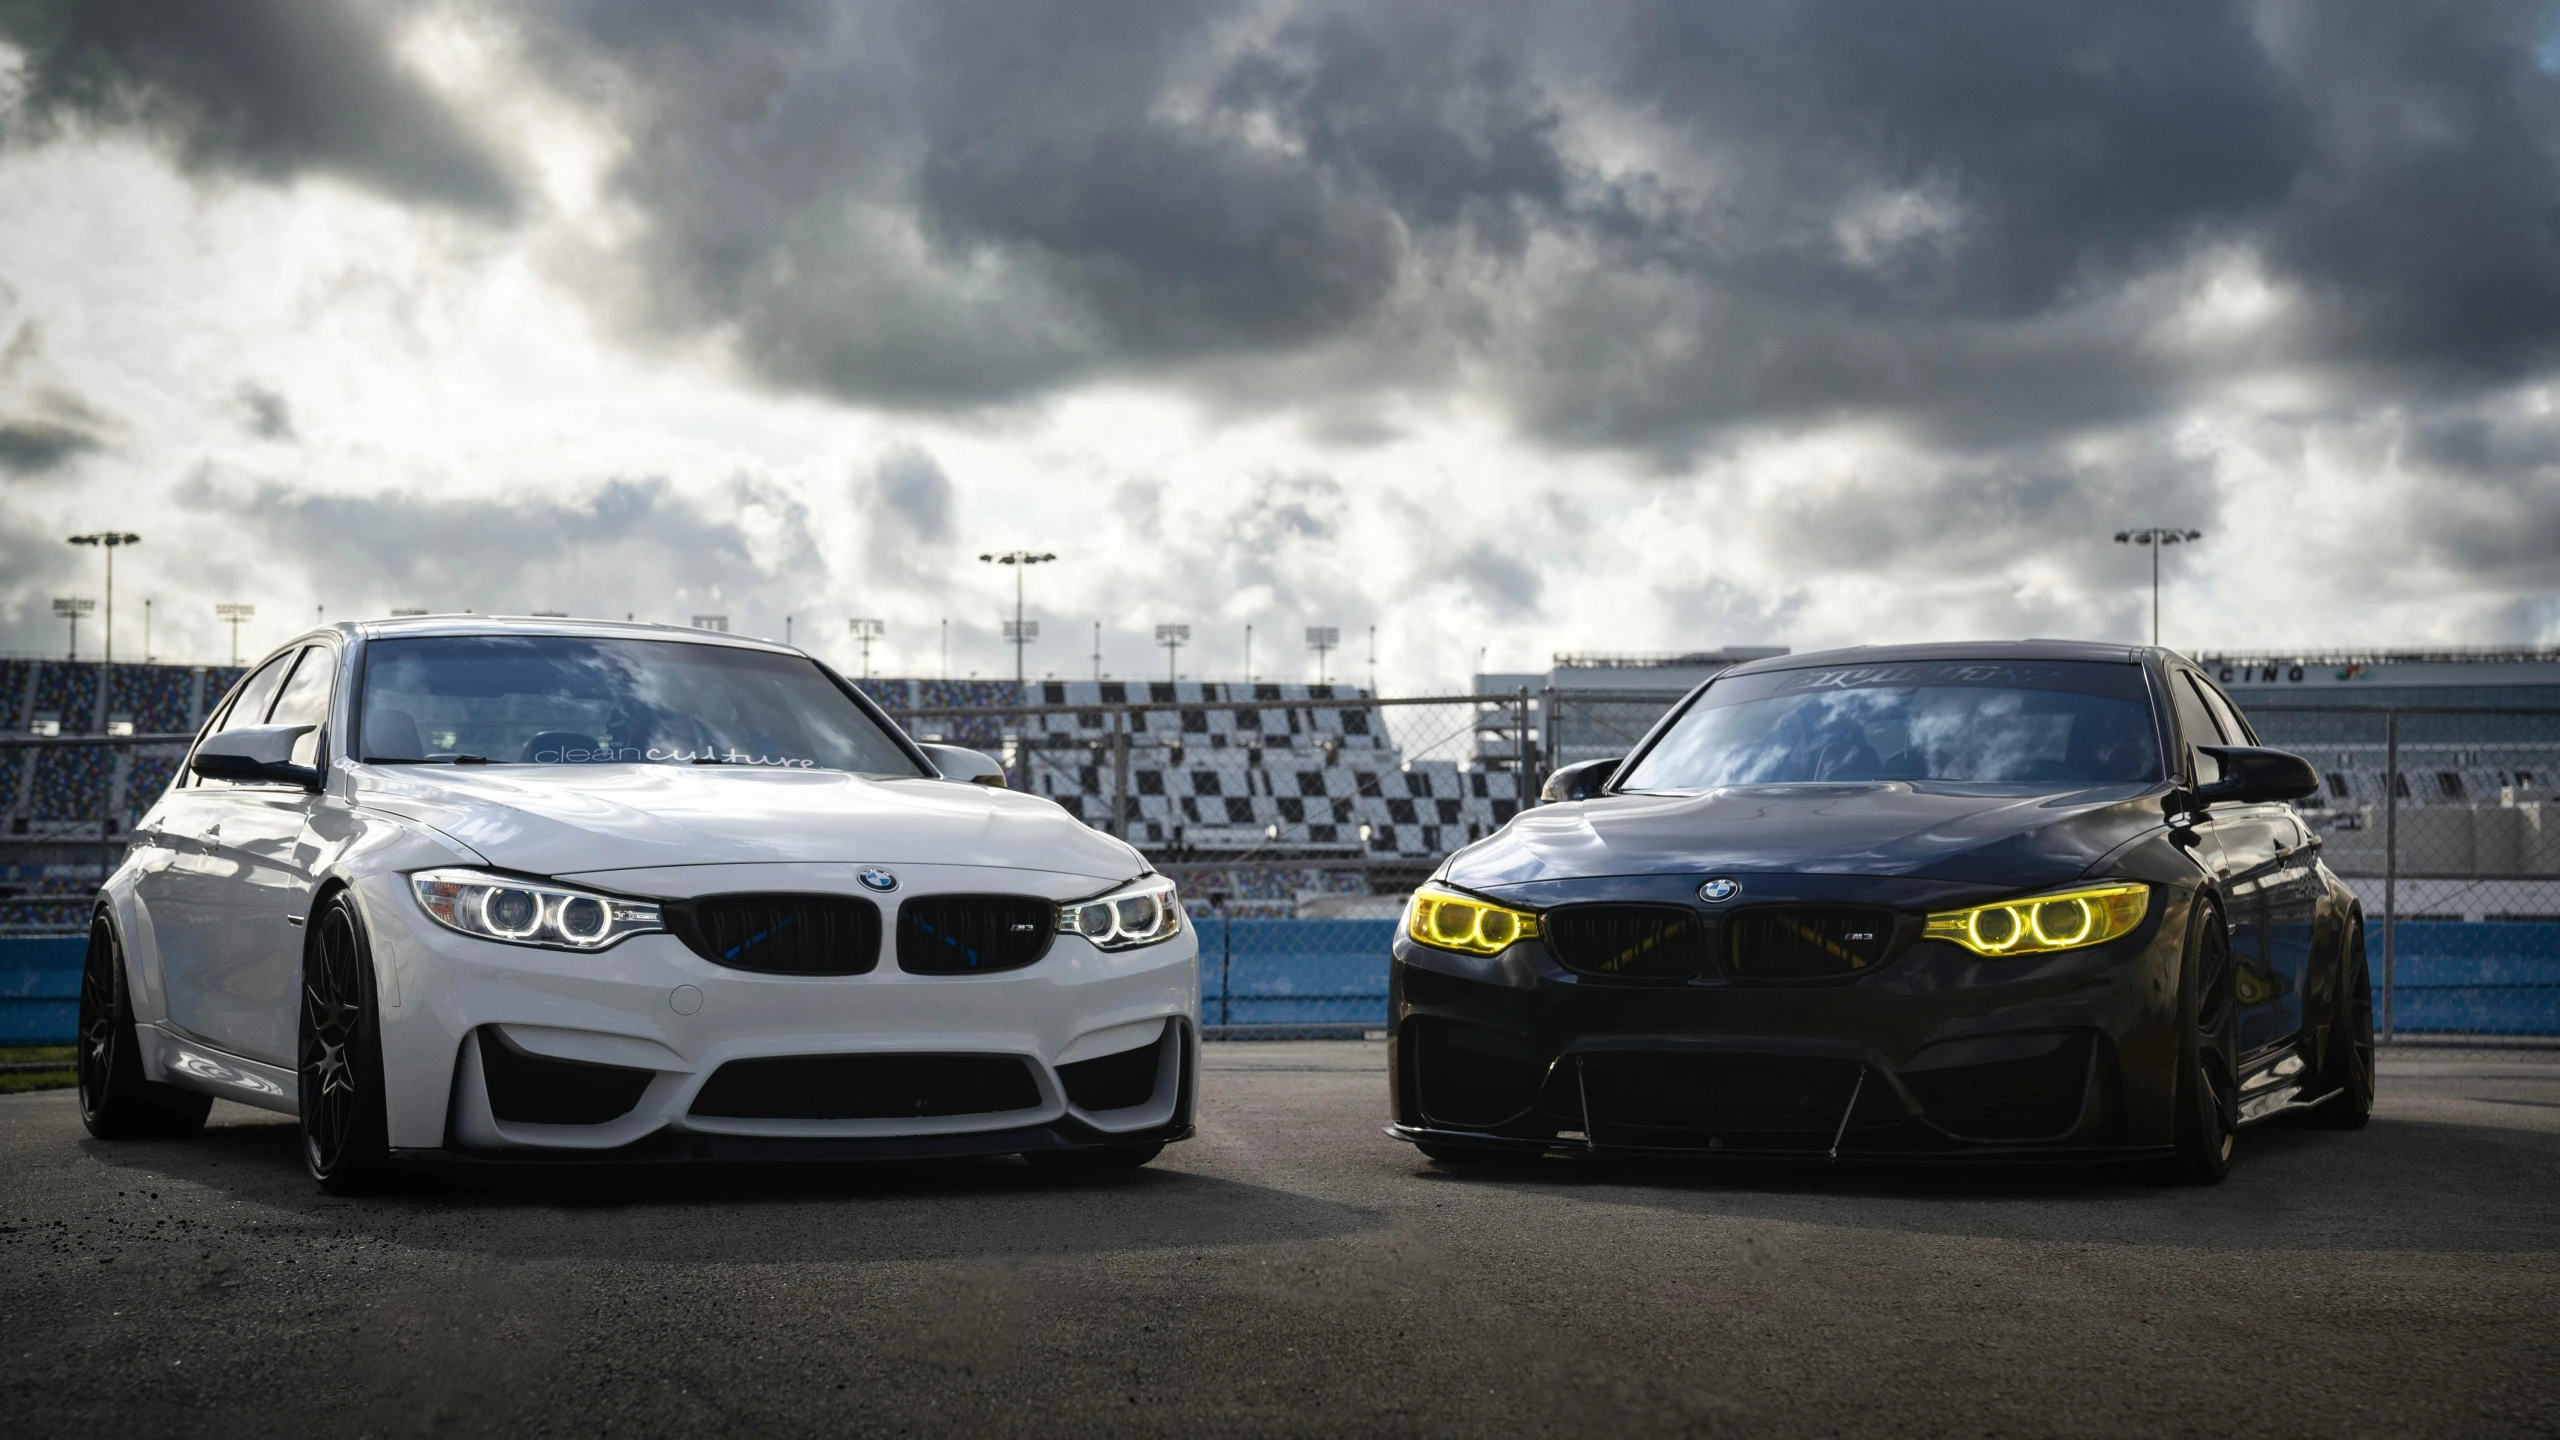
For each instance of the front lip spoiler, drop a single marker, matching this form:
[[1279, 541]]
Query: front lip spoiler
[[1963, 1154], [681, 1147]]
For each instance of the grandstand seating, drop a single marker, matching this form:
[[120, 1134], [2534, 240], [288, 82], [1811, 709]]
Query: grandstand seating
[[71, 784], [158, 699], [69, 693]]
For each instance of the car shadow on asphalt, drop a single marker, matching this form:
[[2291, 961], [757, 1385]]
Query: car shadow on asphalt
[[2395, 1185], [990, 1209]]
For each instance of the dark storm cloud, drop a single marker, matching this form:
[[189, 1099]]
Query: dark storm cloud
[[265, 88], [623, 545], [40, 447], [264, 413]]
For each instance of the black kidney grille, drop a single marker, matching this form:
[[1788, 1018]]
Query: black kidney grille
[[973, 934], [1629, 942], [1807, 942], [782, 934]]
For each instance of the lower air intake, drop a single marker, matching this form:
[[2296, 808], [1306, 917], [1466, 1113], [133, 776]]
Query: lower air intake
[[1628, 942], [1114, 1082], [782, 934], [867, 1087], [2034, 1098], [1472, 1078], [973, 934], [1808, 942], [1711, 1094], [530, 1089]]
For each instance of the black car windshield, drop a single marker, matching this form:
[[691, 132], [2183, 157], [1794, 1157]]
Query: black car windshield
[[572, 700], [2047, 723]]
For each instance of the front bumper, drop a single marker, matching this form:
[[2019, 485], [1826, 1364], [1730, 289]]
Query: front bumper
[[506, 1053], [1936, 1055]]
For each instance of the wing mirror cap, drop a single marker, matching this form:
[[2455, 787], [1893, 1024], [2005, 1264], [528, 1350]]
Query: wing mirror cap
[[958, 762], [1583, 781], [255, 754], [2253, 774]]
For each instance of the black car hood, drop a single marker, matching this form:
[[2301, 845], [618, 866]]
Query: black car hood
[[1983, 834]]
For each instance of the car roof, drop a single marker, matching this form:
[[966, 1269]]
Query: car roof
[[1953, 650], [408, 625]]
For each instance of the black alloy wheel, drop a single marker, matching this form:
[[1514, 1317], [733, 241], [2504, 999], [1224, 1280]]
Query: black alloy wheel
[[1094, 1159], [116, 1102], [2346, 1070], [345, 1140], [2208, 1087]]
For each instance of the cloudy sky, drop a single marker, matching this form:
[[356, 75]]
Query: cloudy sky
[[1507, 329]]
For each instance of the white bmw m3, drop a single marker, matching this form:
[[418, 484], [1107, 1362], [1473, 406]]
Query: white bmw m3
[[489, 890]]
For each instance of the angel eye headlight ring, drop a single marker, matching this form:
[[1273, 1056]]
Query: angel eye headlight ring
[[1146, 911], [529, 912], [1446, 920], [2042, 924]]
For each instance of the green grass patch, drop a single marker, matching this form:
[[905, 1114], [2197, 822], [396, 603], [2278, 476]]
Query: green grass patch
[[13, 1081]]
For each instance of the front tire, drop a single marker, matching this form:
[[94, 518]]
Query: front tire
[[345, 1138], [2346, 1070], [2208, 1089], [116, 1102]]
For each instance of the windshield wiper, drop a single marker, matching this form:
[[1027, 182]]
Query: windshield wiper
[[426, 760]]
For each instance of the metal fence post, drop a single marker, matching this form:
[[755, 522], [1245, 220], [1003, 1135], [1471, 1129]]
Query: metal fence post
[[2390, 861], [1120, 773], [1520, 741]]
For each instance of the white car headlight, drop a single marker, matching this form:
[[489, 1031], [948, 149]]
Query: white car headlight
[[524, 912], [1142, 912]]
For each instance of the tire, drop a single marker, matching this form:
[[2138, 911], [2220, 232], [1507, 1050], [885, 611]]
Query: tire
[[116, 1102], [2208, 1091], [338, 1056], [2346, 1069], [1094, 1160]]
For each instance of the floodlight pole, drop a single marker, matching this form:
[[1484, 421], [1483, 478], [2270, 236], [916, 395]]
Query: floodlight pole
[[1321, 639], [1020, 560], [1172, 638], [866, 631], [109, 541], [232, 613], [2157, 538]]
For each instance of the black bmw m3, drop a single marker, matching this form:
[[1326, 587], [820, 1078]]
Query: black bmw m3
[[2030, 901]]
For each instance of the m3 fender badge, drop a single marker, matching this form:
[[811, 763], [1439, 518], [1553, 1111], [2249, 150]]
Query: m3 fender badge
[[1720, 889], [878, 879]]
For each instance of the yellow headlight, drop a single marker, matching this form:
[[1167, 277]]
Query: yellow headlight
[[2043, 923], [1454, 922]]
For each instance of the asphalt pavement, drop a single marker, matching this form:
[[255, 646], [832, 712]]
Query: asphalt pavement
[[1293, 1271]]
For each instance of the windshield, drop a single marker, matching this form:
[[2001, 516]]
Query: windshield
[[2053, 723], [567, 700]]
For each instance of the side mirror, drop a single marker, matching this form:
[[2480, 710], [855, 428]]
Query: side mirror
[[958, 762], [256, 755], [2252, 774], [1578, 782]]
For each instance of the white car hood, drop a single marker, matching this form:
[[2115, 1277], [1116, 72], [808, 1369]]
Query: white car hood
[[559, 820]]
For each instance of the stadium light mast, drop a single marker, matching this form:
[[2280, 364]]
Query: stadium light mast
[[867, 631], [69, 608], [110, 541], [1321, 639], [232, 614], [1020, 632], [1173, 638], [2157, 538]]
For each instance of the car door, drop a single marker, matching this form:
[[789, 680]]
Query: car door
[[251, 956], [182, 888], [2290, 892], [2242, 846]]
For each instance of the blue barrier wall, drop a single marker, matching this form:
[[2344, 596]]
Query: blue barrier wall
[[40, 988], [2496, 978]]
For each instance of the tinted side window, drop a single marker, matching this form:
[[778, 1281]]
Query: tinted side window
[[305, 700], [2196, 726]]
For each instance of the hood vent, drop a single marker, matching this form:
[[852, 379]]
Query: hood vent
[[973, 934], [781, 934]]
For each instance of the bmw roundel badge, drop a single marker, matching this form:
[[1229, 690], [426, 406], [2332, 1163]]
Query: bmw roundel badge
[[1718, 890], [878, 879]]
